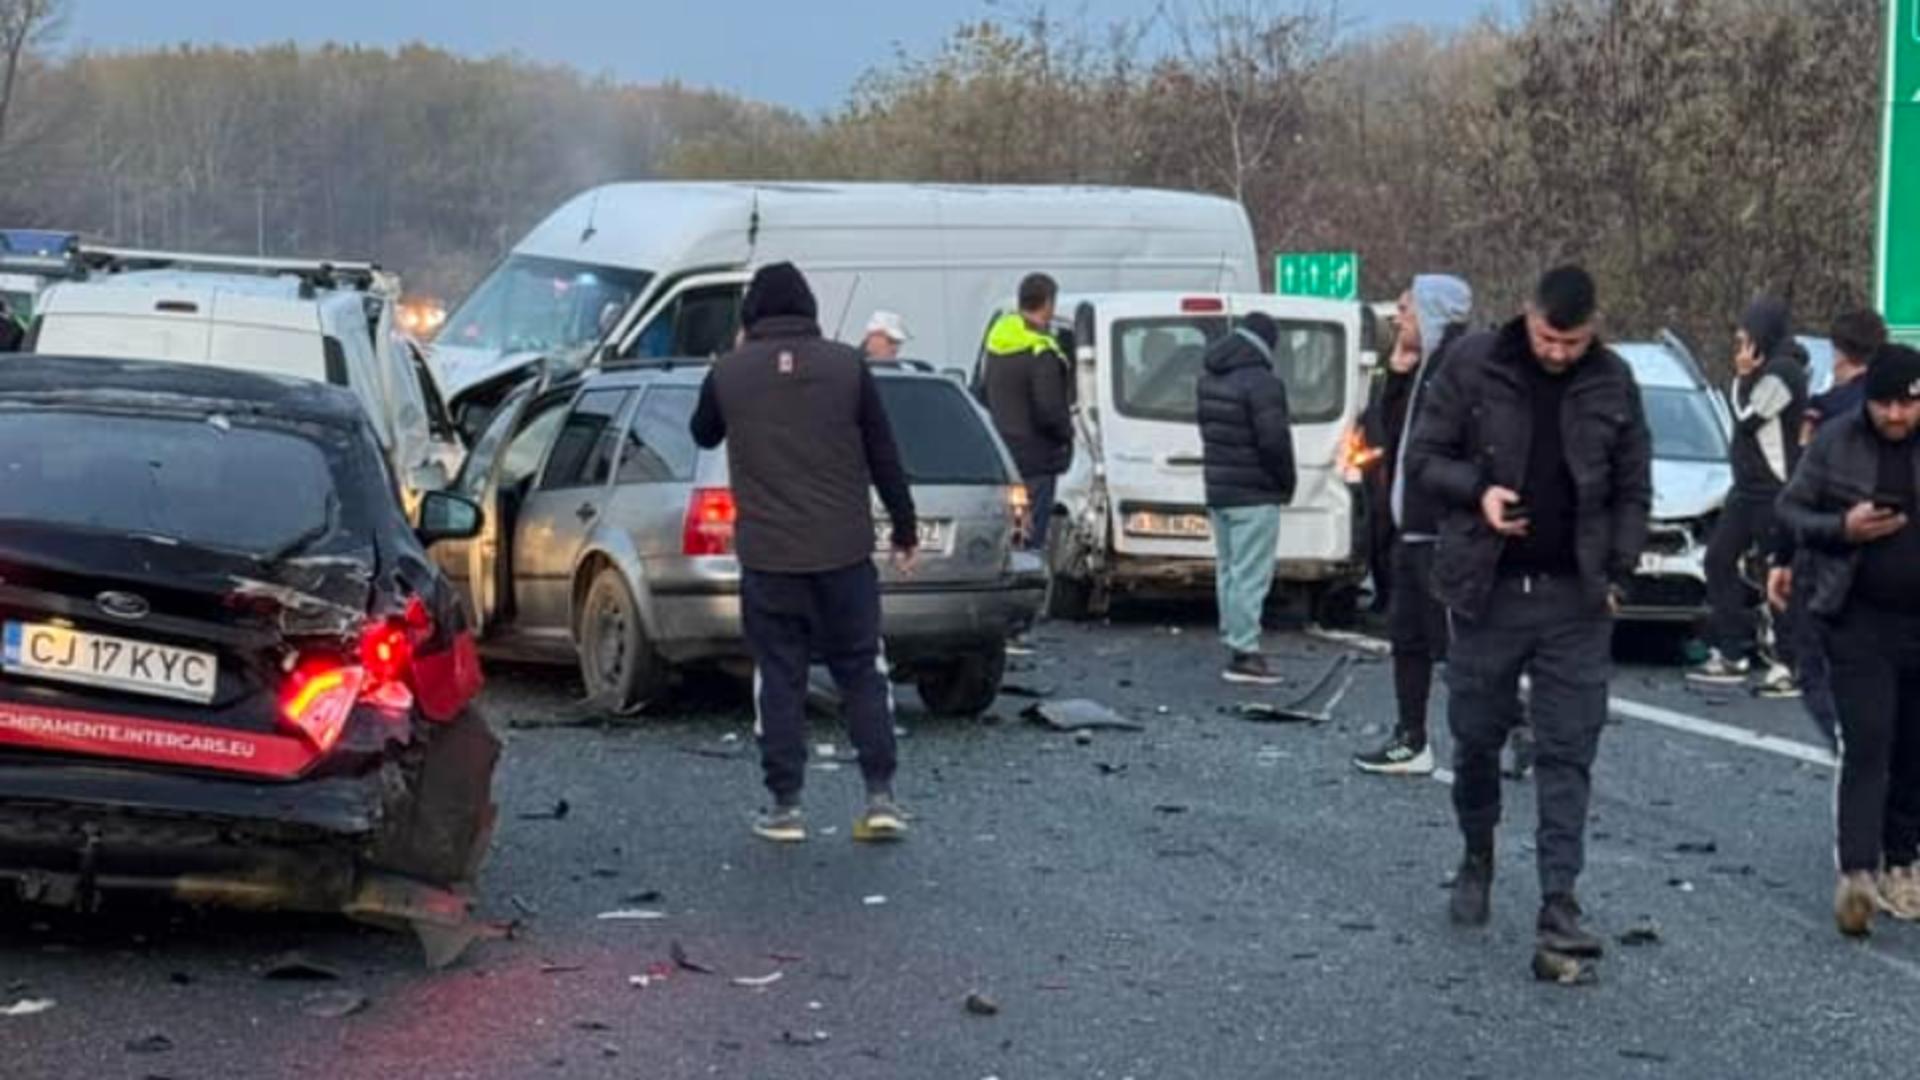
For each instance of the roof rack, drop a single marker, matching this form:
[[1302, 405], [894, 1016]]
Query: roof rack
[[314, 274]]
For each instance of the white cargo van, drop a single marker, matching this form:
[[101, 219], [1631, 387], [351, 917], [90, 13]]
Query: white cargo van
[[658, 269], [1131, 515], [321, 321]]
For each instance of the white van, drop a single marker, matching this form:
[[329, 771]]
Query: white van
[[658, 269], [334, 326], [1131, 515]]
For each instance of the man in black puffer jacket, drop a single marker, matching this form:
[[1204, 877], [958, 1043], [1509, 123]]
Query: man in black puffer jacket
[[1250, 475], [1534, 446]]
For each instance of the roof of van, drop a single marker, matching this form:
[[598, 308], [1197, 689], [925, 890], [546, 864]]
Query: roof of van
[[640, 225], [1656, 365], [252, 299]]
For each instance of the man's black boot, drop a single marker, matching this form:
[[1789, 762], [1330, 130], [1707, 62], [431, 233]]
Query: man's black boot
[[1473, 890], [1560, 930]]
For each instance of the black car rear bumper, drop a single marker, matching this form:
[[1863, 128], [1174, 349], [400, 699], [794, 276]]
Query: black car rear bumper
[[71, 831]]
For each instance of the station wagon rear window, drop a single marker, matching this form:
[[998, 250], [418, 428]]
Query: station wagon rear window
[[1157, 366], [210, 483], [941, 437]]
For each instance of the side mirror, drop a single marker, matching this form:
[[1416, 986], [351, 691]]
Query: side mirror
[[446, 516]]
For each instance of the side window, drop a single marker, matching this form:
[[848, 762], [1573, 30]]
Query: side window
[[698, 322], [529, 445], [587, 440], [659, 448]]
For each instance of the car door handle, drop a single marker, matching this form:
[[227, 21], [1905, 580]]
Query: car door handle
[[587, 512], [1179, 461]]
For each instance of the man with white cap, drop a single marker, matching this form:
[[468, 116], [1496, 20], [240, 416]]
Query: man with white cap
[[886, 332]]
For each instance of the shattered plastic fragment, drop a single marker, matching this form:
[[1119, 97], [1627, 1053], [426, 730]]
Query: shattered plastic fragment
[[27, 1007], [1079, 714], [873, 901], [980, 1004], [333, 1004], [758, 981], [685, 963], [1644, 934], [155, 1043], [631, 915]]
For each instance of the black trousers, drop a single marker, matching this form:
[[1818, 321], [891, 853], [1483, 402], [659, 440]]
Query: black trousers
[[1417, 628], [791, 619], [1732, 602], [1875, 661], [1548, 628]]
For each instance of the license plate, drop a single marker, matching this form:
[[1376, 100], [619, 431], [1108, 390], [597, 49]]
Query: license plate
[[935, 535], [115, 663], [1169, 526]]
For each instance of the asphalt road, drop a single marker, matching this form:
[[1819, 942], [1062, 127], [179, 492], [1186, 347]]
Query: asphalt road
[[1212, 898]]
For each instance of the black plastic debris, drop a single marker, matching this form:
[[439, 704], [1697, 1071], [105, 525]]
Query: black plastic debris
[[685, 963], [644, 896], [1315, 705], [154, 1043], [1108, 768], [298, 967], [1696, 847], [1079, 714], [979, 1004], [1643, 934], [1636, 1054], [802, 1038], [557, 813]]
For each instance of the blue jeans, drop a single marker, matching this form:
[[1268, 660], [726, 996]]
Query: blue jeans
[[1246, 540], [1040, 491]]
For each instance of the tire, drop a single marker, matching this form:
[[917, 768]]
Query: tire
[[1334, 605], [965, 687], [619, 666]]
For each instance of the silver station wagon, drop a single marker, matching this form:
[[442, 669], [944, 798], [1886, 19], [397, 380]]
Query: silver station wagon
[[609, 537]]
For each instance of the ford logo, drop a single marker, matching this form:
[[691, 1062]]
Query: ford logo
[[122, 605]]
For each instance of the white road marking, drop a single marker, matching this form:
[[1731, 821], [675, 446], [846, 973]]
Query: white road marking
[[1727, 733]]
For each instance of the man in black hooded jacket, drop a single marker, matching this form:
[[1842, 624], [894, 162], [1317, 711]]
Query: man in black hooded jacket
[[1248, 442], [807, 438]]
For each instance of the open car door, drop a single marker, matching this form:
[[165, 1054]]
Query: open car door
[[476, 566]]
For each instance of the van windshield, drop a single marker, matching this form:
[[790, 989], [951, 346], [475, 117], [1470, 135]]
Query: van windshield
[[1157, 366], [1683, 424], [531, 304]]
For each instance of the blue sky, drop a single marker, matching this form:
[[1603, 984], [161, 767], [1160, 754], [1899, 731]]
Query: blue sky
[[801, 53]]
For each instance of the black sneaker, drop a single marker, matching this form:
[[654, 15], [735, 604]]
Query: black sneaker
[[1251, 669], [1560, 931], [1401, 756], [1472, 903]]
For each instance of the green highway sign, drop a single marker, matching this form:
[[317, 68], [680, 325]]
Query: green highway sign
[[1329, 275], [1898, 275]]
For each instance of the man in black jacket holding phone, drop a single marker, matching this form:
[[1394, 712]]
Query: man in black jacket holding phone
[[1851, 506], [1534, 445]]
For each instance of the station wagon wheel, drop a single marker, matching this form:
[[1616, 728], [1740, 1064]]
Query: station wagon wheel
[[966, 686], [617, 662]]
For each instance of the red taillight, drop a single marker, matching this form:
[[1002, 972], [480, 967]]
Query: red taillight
[[385, 650], [1204, 304], [711, 515], [317, 700], [1356, 456]]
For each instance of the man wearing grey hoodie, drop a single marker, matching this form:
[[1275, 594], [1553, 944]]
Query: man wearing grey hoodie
[[1433, 314]]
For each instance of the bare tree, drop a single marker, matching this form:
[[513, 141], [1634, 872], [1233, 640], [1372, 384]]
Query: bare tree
[[24, 25]]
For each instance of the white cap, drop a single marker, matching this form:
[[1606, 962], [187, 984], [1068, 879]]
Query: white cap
[[889, 323]]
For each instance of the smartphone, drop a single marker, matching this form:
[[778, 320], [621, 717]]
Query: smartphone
[[1890, 504], [1516, 513]]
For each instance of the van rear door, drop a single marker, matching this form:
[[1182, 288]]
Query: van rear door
[[1152, 350]]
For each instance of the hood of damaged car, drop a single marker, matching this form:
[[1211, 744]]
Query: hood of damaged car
[[1685, 490]]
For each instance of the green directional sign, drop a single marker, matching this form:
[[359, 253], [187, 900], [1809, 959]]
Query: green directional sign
[[1898, 274], [1330, 275]]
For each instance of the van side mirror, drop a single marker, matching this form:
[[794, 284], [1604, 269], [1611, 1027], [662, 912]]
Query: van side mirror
[[446, 516]]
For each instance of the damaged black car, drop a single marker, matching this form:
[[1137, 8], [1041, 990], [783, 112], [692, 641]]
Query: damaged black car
[[229, 672]]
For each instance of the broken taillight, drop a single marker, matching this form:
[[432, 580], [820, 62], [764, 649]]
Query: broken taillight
[[1356, 456], [385, 650], [1019, 508], [318, 699], [711, 515]]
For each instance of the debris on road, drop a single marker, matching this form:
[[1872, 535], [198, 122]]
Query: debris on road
[[1171, 808], [875, 900], [1554, 967], [1371, 646], [1696, 847], [1636, 1054], [1680, 883], [297, 966], [523, 907], [758, 982], [26, 1007], [154, 1043], [557, 813], [980, 1004], [561, 969], [685, 963], [802, 1038], [631, 915], [644, 896], [1644, 934], [1316, 704], [1083, 738], [1020, 690], [333, 1004], [1108, 768], [1079, 714]]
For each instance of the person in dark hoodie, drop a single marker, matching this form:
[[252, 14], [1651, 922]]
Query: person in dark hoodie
[[1433, 315], [1768, 396], [1249, 468], [807, 438]]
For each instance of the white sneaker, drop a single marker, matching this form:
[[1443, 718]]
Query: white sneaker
[[1399, 757], [1778, 682], [1720, 671]]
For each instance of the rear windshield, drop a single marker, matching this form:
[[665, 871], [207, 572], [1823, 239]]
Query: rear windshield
[[941, 437], [210, 483], [1684, 425], [1158, 364]]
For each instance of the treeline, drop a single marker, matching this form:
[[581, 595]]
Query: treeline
[[430, 162], [1692, 152]]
